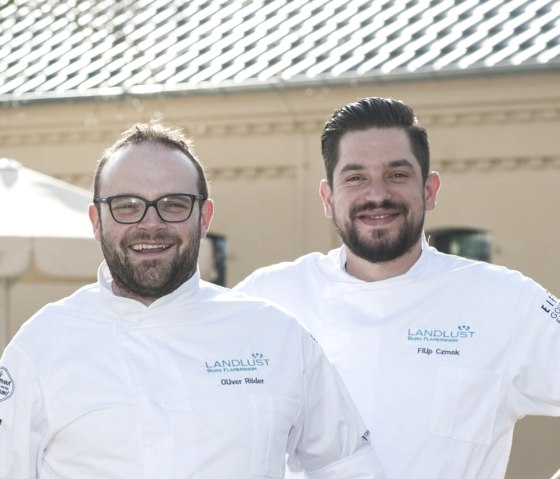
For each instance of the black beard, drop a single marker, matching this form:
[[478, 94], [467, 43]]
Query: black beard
[[379, 248], [152, 280]]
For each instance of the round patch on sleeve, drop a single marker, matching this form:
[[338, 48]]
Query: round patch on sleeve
[[6, 384]]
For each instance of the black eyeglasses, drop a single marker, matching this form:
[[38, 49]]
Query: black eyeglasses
[[130, 209]]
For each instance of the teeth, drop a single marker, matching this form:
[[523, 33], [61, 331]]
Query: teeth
[[140, 247]]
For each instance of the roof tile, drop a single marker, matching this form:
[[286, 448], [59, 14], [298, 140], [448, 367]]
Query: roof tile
[[62, 48]]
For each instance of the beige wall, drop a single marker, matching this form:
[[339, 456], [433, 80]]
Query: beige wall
[[495, 141]]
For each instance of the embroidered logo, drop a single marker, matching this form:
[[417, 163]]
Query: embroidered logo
[[6, 384], [551, 306], [463, 332], [253, 363]]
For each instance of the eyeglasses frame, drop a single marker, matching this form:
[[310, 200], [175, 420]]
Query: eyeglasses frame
[[108, 200]]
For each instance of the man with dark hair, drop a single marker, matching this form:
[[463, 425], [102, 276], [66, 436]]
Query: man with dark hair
[[374, 113], [153, 373], [441, 354]]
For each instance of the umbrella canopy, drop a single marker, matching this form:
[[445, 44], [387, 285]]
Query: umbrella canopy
[[44, 226]]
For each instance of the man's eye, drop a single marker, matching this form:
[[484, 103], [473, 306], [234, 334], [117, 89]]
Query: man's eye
[[126, 206], [354, 178], [175, 206]]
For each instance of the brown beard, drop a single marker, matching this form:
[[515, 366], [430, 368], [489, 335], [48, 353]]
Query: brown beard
[[152, 280], [379, 248]]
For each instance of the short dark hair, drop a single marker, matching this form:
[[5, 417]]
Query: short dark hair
[[155, 133], [374, 112]]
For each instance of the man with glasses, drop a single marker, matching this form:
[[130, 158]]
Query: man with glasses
[[152, 372]]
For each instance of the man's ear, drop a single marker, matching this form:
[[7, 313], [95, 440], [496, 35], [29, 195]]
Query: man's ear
[[431, 189], [325, 193], [93, 213], [206, 214]]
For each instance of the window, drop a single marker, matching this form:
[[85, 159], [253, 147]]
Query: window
[[469, 243], [212, 258]]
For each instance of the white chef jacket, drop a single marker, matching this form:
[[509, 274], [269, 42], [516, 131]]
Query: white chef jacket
[[441, 361], [204, 383]]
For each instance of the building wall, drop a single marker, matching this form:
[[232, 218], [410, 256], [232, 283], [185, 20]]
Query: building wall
[[495, 140]]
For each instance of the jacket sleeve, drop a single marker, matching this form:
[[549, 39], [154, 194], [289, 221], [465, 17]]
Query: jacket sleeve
[[22, 416], [330, 440], [535, 361]]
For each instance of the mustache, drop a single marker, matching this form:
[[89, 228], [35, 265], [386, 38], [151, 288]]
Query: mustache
[[369, 206]]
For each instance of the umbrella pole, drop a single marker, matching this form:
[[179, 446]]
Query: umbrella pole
[[4, 312]]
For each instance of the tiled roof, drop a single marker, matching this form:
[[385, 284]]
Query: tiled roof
[[71, 48]]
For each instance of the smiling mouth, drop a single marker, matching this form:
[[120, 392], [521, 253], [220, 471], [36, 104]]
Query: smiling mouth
[[376, 217], [142, 247]]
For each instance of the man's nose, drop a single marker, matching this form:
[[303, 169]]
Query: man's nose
[[377, 191], [152, 219]]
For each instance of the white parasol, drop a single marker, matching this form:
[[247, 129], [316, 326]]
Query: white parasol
[[44, 226]]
